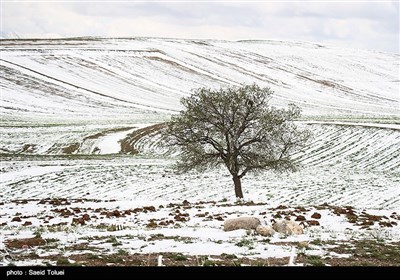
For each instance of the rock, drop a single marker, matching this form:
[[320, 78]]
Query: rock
[[338, 211], [152, 224], [27, 223], [241, 223], [149, 208], [76, 210], [385, 224], [366, 223], [288, 227], [16, 219], [116, 213], [313, 223], [181, 218], [395, 216], [265, 230], [78, 221], [186, 203], [300, 218], [316, 215], [374, 218]]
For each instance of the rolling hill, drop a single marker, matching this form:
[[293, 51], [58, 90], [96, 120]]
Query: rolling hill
[[96, 78], [84, 179], [83, 95]]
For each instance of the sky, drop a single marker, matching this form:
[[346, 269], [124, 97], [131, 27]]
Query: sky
[[370, 25]]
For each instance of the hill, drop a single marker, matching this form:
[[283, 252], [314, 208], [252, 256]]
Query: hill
[[98, 78]]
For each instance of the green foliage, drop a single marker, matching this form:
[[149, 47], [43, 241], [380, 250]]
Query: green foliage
[[113, 240], [246, 243], [179, 257], [51, 240], [93, 256], [378, 250], [63, 261], [238, 128], [314, 261], [38, 232], [122, 252], [316, 242], [207, 262], [114, 259]]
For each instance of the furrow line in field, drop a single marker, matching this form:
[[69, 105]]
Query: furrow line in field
[[326, 145], [391, 152], [336, 151], [368, 147]]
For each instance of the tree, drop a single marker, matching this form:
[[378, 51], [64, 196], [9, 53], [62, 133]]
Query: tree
[[237, 127]]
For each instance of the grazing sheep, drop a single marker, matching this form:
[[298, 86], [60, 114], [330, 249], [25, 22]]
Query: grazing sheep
[[241, 223], [265, 230], [288, 227]]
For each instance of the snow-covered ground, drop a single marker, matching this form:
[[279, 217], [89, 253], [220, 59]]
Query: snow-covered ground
[[143, 179], [67, 106], [104, 78]]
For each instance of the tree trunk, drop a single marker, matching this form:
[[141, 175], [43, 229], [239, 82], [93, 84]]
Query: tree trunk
[[238, 186]]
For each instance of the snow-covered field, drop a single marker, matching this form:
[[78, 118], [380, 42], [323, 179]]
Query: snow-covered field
[[84, 174], [105, 78]]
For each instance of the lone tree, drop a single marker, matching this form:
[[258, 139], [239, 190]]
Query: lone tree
[[237, 127]]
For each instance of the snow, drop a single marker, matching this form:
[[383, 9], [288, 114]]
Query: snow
[[196, 237], [363, 124], [112, 76], [152, 180], [110, 144], [29, 172], [92, 94], [336, 255]]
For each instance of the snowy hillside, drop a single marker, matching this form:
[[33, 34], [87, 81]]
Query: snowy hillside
[[114, 78], [84, 179]]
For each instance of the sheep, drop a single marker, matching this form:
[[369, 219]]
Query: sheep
[[241, 223]]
